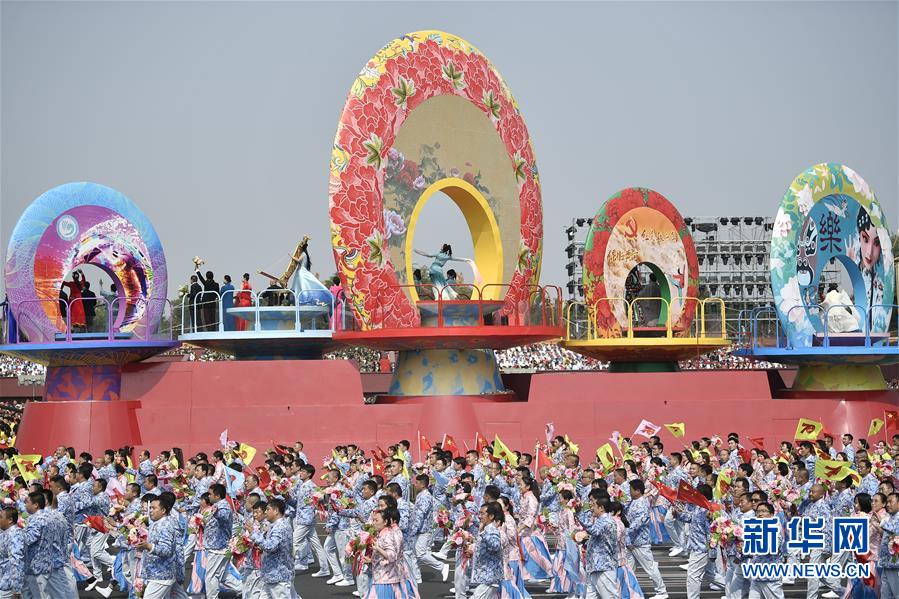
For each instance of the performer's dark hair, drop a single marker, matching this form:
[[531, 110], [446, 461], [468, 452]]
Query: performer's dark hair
[[637, 485], [495, 511], [12, 513], [38, 499], [218, 490]]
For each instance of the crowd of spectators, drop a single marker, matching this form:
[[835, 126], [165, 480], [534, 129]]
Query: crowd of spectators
[[11, 367]]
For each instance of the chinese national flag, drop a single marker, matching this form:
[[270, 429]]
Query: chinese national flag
[[686, 493], [424, 446], [97, 523], [808, 430], [381, 454], [758, 442], [279, 449], [667, 492], [543, 460], [377, 467], [264, 478], [891, 420], [449, 444], [481, 442]]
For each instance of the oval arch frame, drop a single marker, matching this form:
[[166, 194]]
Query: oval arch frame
[[596, 249], [402, 75]]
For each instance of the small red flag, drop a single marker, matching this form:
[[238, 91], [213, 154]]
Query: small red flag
[[264, 478], [891, 420], [685, 492], [481, 442], [543, 460], [97, 523], [280, 449], [424, 446], [745, 455], [449, 444], [667, 492], [758, 442], [377, 467]]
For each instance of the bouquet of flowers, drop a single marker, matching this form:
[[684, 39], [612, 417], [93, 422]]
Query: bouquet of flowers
[[654, 473], [138, 586], [129, 522], [882, 469], [724, 531], [181, 484], [8, 490], [359, 549], [616, 493], [464, 543], [137, 536], [715, 441], [198, 521], [465, 521], [279, 486], [239, 545], [893, 546], [443, 521], [580, 536], [542, 521]]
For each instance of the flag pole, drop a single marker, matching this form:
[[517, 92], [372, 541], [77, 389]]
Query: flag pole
[[419, 445]]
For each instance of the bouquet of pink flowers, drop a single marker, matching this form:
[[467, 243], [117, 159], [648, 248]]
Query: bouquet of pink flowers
[[465, 521], [198, 521], [442, 519], [359, 549], [279, 486], [893, 546], [464, 543], [542, 521], [129, 522], [882, 469], [239, 545], [137, 536], [724, 531], [616, 493], [138, 586]]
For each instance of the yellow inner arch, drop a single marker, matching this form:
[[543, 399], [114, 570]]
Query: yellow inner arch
[[485, 237]]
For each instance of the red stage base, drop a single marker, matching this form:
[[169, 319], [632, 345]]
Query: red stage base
[[188, 404]]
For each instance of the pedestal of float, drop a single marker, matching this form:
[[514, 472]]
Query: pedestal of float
[[442, 372], [844, 377]]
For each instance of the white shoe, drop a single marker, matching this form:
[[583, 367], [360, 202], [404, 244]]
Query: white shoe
[[452, 590], [675, 552], [716, 586], [683, 566], [321, 574], [356, 594], [789, 581], [829, 595], [334, 579], [660, 596], [344, 583], [300, 568], [445, 572], [92, 585], [104, 591], [440, 555]]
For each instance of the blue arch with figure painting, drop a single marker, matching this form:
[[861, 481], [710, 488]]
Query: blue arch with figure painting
[[830, 214]]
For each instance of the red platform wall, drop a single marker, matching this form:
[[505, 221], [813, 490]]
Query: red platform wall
[[188, 404]]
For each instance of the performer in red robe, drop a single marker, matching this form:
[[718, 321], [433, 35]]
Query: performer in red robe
[[244, 300], [76, 306]]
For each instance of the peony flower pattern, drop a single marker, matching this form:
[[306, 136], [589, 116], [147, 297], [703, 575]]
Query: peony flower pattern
[[403, 74]]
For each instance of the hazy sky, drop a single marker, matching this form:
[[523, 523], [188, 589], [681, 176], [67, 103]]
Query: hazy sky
[[217, 118]]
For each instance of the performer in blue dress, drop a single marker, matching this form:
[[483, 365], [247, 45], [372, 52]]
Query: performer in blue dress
[[438, 279]]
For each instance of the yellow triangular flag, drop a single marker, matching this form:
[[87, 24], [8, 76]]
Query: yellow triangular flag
[[808, 430], [246, 453], [27, 465], [571, 445], [677, 429], [606, 457], [501, 452], [833, 470], [130, 465], [876, 425], [722, 484]]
